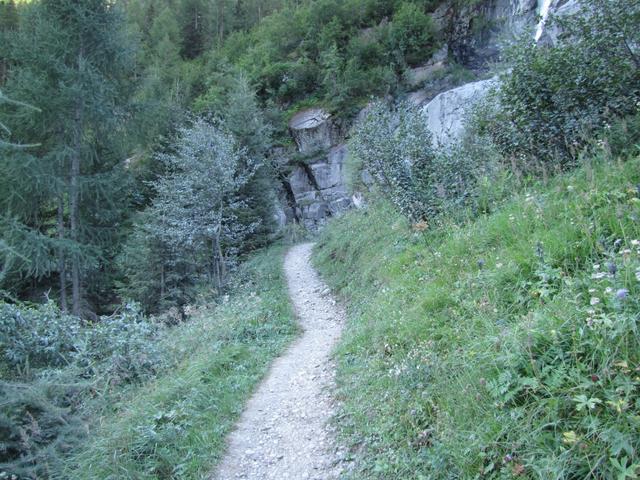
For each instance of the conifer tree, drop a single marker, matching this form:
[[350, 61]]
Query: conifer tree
[[81, 94]]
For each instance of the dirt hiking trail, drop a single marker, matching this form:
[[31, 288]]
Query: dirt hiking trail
[[283, 432]]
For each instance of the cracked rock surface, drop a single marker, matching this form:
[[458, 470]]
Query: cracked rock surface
[[283, 432]]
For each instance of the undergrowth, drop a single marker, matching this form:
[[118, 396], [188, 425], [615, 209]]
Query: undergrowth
[[506, 347], [169, 423], [175, 427]]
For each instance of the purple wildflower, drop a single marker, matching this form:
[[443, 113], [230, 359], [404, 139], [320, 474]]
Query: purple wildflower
[[622, 294]]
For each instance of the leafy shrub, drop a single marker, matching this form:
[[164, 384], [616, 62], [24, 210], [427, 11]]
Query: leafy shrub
[[555, 96], [412, 34], [123, 347], [37, 337], [56, 363], [422, 182]]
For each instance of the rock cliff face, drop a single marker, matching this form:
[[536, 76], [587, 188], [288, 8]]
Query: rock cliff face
[[317, 183], [316, 187], [445, 114]]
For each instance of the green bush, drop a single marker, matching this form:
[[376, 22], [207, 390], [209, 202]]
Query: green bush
[[423, 182], [37, 337], [412, 34], [555, 96], [55, 363]]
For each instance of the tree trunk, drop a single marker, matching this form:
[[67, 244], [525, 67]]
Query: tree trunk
[[74, 216], [162, 282], [62, 267], [74, 202], [216, 270], [220, 22]]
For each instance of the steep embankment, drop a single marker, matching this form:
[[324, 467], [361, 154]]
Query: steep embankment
[[506, 347]]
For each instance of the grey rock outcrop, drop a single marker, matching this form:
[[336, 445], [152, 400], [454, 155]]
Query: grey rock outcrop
[[312, 130], [319, 188], [446, 113], [476, 33], [317, 184]]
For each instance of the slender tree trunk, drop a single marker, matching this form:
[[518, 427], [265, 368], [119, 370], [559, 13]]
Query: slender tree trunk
[[74, 224], [223, 268], [221, 21], [162, 282], [218, 267], [74, 202], [215, 263], [62, 267]]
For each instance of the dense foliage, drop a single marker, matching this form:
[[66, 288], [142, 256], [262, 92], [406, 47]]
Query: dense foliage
[[61, 375], [339, 52], [52, 365], [395, 146], [555, 96]]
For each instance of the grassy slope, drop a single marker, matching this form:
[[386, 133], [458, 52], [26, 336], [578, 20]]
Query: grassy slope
[[175, 427], [475, 352]]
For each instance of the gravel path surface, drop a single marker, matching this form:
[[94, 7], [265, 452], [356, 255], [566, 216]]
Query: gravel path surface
[[283, 433]]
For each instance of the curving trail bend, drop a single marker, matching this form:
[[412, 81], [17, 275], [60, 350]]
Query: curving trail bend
[[283, 432]]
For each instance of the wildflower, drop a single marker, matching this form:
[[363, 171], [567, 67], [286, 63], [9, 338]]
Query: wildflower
[[608, 290], [638, 275], [598, 275], [622, 293], [595, 378], [612, 267], [635, 243], [594, 301], [617, 243], [480, 263], [596, 266]]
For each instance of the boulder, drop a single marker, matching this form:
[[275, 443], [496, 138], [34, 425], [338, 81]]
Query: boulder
[[312, 130], [446, 113]]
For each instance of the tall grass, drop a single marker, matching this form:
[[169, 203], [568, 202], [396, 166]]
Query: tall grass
[[504, 347], [175, 426]]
